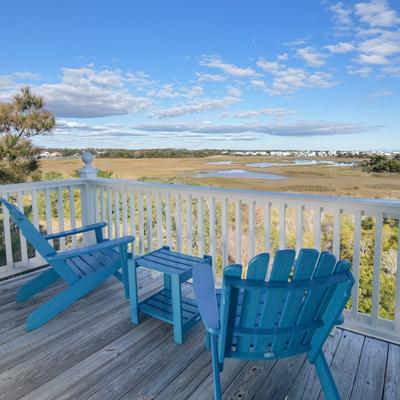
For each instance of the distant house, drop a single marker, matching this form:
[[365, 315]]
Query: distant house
[[48, 154]]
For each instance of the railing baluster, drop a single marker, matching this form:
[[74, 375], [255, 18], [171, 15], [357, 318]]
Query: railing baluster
[[317, 228], [189, 216], [7, 238], [252, 234], [102, 205], [282, 226], [159, 220], [178, 221], [213, 245], [299, 228], [35, 214], [377, 270], [267, 227], [110, 213], [149, 208], [224, 233], [95, 195], [117, 213], [124, 213], [141, 221], [238, 231], [132, 212], [336, 232], [47, 201], [23, 246], [200, 225], [168, 219], [60, 212], [356, 264], [72, 214]]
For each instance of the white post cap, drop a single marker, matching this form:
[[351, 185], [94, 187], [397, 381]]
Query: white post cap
[[88, 171]]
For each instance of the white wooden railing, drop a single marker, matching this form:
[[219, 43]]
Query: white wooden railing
[[230, 225], [51, 205]]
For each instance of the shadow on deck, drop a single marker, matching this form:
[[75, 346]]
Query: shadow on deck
[[92, 351]]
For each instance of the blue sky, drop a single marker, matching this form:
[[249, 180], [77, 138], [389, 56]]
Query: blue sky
[[210, 74]]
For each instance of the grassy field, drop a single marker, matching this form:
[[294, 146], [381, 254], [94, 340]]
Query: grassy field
[[319, 179]]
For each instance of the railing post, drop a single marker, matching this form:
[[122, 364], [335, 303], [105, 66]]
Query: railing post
[[87, 193]]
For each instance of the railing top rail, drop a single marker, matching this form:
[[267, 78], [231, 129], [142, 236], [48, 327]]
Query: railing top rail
[[18, 187], [387, 206]]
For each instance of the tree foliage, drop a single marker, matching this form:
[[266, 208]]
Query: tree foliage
[[381, 163], [20, 120]]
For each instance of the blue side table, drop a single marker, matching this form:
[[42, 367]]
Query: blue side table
[[168, 304]]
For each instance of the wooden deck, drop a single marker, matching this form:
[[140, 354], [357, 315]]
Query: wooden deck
[[92, 351]]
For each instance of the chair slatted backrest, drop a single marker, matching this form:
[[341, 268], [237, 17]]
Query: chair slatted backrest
[[35, 238], [280, 317]]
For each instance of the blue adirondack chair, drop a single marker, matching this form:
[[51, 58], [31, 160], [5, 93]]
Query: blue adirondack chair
[[83, 269], [292, 313]]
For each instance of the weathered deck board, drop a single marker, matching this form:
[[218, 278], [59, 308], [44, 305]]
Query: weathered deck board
[[392, 380], [307, 386], [345, 363], [370, 376], [92, 351]]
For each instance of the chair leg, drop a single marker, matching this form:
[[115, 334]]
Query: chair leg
[[53, 307], [216, 368], [124, 266], [66, 298], [37, 284], [327, 382]]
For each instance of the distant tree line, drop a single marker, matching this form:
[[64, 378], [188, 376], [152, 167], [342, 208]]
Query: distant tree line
[[143, 153]]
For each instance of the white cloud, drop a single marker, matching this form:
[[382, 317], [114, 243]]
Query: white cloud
[[26, 75], [376, 13], [376, 59], [69, 133], [312, 57], [230, 69], [299, 129], [341, 47], [297, 42], [273, 112], [381, 93], [287, 80], [90, 92], [199, 105], [258, 84], [283, 57], [202, 77], [375, 27], [269, 66], [361, 71], [341, 15], [392, 70]]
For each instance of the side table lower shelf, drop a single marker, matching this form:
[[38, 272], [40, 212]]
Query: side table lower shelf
[[159, 305]]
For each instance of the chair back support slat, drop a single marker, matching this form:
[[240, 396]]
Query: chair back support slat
[[281, 268], [313, 299], [35, 238], [257, 270], [304, 269]]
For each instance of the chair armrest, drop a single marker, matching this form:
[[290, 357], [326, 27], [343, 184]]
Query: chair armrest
[[75, 231], [206, 299], [90, 249]]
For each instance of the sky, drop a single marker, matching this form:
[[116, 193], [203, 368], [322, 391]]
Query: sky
[[276, 74]]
